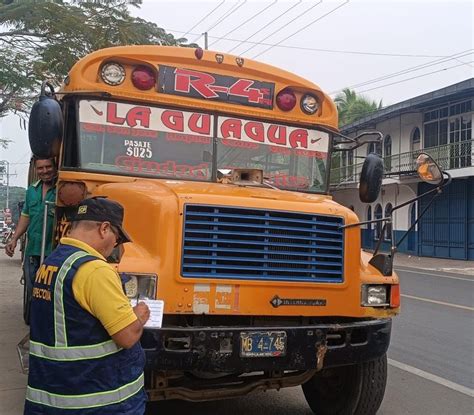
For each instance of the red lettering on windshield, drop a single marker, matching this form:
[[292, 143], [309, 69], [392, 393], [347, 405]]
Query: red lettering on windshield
[[173, 120], [112, 114], [139, 115], [200, 123], [300, 137], [231, 128], [255, 131], [134, 116], [272, 134], [166, 168]]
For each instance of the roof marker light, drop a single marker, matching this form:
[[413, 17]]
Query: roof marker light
[[143, 78], [286, 99]]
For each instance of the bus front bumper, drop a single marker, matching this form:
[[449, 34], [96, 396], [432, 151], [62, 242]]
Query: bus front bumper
[[221, 349]]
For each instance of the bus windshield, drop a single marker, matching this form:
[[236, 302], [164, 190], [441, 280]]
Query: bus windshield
[[142, 140]]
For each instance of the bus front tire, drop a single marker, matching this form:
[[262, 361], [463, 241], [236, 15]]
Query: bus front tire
[[348, 390]]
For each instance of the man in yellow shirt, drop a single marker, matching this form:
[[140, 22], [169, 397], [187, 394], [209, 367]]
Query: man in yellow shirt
[[85, 354]]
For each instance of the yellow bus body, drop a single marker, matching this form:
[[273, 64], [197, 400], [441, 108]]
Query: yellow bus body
[[226, 308]]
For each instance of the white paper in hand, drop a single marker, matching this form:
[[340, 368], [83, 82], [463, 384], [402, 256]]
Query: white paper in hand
[[156, 311]]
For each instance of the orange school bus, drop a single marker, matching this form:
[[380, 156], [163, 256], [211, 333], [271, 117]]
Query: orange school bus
[[222, 165]]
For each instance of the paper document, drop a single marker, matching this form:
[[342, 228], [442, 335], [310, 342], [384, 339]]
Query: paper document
[[156, 311]]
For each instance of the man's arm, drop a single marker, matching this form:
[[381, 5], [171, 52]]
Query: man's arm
[[23, 223], [129, 335], [99, 291]]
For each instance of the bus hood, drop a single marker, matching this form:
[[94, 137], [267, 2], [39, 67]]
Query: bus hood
[[154, 208], [141, 195]]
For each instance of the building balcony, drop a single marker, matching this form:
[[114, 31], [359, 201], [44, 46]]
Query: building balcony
[[450, 156]]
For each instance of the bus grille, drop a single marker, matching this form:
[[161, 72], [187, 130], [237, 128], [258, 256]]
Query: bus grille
[[257, 244]]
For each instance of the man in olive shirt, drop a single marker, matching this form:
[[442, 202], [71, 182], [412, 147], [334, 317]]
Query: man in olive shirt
[[31, 221]]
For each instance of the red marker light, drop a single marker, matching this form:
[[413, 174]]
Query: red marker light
[[143, 78], [198, 53], [286, 99]]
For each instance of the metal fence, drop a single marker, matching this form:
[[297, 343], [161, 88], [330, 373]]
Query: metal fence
[[449, 156]]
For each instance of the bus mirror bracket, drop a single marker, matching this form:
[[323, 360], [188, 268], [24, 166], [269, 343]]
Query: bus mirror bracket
[[46, 124], [428, 171], [345, 143]]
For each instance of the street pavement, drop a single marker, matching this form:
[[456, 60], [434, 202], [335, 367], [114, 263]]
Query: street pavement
[[12, 330], [431, 356]]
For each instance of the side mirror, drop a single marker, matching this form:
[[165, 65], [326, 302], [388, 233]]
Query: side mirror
[[371, 178], [45, 126], [428, 169]]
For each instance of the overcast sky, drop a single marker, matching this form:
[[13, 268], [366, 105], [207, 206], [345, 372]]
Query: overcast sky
[[385, 50]]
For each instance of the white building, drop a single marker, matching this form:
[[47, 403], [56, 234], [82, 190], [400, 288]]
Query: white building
[[440, 124]]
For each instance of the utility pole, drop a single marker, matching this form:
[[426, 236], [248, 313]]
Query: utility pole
[[206, 41], [6, 170]]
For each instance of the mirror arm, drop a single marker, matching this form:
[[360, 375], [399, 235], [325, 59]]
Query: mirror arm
[[351, 225], [436, 189], [382, 232], [43, 89], [355, 140], [448, 181], [350, 148], [396, 245]]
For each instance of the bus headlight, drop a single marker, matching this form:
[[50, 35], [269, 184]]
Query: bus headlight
[[140, 285], [309, 104], [374, 296], [113, 74]]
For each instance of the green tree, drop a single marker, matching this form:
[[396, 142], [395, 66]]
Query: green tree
[[351, 106], [42, 39]]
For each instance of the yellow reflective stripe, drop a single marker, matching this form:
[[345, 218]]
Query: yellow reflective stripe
[[59, 315], [90, 400], [93, 351]]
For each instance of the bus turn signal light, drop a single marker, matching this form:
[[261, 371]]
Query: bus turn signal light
[[395, 296]]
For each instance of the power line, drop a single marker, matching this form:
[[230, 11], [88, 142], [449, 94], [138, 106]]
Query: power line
[[366, 113], [284, 26], [408, 70], [303, 28], [246, 21], [267, 24], [229, 13], [208, 14], [354, 52], [414, 77]]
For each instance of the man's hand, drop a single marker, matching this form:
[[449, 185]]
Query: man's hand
[[142, 312], [129, 335], [10, 247]]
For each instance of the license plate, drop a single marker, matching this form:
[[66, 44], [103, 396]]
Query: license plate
[[263, 344]]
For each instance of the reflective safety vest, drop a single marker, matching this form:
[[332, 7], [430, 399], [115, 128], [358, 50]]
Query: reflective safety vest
[[75, 367]]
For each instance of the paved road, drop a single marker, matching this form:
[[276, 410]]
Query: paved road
[[435, 338], [438, 336]]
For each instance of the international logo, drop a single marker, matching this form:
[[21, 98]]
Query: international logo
[[308, 302], [82, 210]]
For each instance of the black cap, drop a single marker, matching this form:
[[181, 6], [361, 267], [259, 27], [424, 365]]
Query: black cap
[[100, 209]]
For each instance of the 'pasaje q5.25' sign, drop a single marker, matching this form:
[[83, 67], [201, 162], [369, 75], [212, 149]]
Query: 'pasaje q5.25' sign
[[204, 85]]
